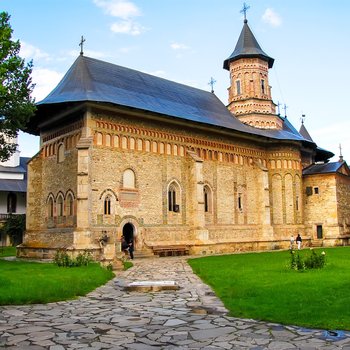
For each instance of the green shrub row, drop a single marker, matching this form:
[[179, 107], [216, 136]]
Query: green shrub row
[[62, 259]]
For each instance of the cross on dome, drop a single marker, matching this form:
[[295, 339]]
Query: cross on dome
[[244, 11]]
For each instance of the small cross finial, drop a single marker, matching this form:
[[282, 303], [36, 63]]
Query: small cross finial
[[211, 83], [303, 116], [341, 159], [81, 44], [285, 110], [244, 11], [278, 108]]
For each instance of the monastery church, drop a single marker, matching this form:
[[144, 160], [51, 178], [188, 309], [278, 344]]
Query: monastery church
[[174, 169]]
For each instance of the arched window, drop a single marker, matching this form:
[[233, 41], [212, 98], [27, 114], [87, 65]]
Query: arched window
[[99, 138], [60, 205], [11, 203], [107, 206], [173, 197], [108, 139], [128, 179], [207, 199], [50, 207], [69, 205], [60, 153]]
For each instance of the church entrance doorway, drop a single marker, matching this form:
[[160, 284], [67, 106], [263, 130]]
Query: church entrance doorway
[[128, 232]]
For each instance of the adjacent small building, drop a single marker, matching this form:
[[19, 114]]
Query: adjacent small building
[[13, 188], [327, 202]]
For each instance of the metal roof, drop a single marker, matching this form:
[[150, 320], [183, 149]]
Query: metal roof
[[247, 46], [303, 131], [90, 79], [10, 185], [324, 168], [13, 185], [21, 168]]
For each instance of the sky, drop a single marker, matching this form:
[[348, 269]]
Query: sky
[[187, 41]]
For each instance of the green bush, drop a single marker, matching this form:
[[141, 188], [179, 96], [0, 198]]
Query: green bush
[[313, 261], [62, 259]]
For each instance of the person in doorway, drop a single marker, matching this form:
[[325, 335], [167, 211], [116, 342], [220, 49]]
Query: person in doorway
[[298, 240], [125, 245], [131, 249], [291, 242]]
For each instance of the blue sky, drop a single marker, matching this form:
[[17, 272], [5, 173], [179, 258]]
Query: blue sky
[[188, 40]]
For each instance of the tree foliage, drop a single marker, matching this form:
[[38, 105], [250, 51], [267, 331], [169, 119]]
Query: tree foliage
[[14, 227], [16, 103]]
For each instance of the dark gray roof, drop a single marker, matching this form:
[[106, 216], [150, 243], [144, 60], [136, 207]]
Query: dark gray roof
[[9, 185], [303, 131], [93, 80], [324, 168], [247, 46]]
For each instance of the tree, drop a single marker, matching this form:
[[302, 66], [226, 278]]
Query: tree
[[16, 103], [14, 227]]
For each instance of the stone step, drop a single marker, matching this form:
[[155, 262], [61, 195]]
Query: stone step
[[316, 243], [144, 254]]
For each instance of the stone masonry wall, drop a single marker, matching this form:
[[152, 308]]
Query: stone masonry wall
[[156, 153], [321, 205]]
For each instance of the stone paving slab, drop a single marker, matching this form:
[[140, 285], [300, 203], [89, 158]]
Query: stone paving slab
[[188, 318]]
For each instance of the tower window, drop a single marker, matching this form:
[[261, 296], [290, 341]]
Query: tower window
[[262, 86], [238, 87]]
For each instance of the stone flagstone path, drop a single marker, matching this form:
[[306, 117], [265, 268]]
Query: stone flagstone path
[[189, 318]]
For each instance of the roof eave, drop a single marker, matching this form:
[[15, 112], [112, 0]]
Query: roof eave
[[268, 59]]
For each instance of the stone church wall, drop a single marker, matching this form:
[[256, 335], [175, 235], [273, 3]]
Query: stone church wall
[[343, 200], [52, 174], [321, 207], [241, 195]]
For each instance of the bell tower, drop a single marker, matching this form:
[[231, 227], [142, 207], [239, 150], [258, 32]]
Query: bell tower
[[249, 92]]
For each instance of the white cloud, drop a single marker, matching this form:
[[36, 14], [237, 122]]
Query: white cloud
[[272, 18], [127, 27], [45, 81], [125, 10], [119, 8], [179, 46], [30, 52]]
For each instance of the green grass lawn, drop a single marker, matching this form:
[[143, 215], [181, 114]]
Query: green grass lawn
[[263, 287], [32, 282], [7, 251]]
